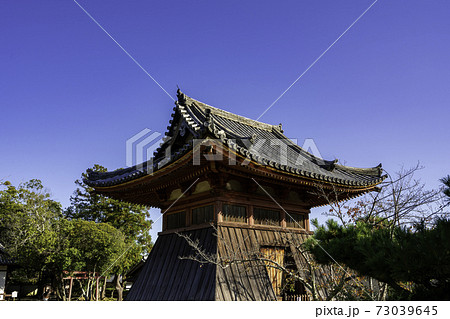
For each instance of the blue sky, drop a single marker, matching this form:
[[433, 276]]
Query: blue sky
[[70, 97]]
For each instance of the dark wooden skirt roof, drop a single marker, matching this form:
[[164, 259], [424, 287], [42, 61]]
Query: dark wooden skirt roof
[[166, 277]]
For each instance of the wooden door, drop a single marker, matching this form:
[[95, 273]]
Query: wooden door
[[276, 255]]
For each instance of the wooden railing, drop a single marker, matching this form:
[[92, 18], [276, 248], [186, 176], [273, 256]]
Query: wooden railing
[[4, 296], [296, 298]]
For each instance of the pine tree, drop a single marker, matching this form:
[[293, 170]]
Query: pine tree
[[415, 263], [446, 182]]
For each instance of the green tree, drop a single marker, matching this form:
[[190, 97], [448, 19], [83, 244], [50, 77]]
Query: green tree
[[132, 220], [92, 247], [29, 224], [414, 263], [376, 222], [446, 182], [45, 244]]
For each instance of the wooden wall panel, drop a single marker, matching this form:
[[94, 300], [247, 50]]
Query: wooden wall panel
[[165, 277]]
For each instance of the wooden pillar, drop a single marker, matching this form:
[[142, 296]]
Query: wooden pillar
[[250, 215], [188, 216], [219, 211], [70, 288], [283, 216], [164, 221], [96, 288]]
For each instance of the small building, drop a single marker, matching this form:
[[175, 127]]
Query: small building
[[6, 262], [228, 187]]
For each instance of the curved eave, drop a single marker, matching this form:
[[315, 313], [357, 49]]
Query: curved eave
[[298, 176], [367, 173], [313, 182], [349, 197], [124, 182]]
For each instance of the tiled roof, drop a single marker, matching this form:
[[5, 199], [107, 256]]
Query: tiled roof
[[259, 142]]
